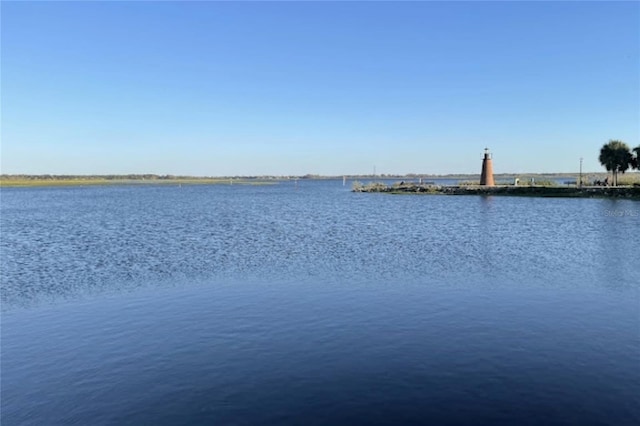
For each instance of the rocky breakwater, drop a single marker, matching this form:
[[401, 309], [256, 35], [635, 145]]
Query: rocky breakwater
[[631, 192]]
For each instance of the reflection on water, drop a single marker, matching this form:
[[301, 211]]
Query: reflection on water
[[311, 304]]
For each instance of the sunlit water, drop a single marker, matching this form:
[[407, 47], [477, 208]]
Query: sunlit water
[[308, 304]]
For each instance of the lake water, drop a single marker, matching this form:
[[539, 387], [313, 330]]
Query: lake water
[[309, 304]]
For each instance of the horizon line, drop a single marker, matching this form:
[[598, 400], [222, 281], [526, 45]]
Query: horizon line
[[303, 176]]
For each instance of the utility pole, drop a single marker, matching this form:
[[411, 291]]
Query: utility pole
[[580, 184]]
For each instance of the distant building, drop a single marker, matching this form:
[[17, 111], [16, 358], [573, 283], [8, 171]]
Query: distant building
[[486, 177]]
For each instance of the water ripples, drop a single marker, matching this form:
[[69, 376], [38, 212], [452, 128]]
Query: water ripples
[[66, 242]]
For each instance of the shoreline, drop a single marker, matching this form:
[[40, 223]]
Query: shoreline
[[43, 183], [626, 192]]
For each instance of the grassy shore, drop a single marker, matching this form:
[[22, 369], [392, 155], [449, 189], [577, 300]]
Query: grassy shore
[[26, 182]]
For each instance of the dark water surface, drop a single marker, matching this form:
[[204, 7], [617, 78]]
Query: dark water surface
[[257, 305]]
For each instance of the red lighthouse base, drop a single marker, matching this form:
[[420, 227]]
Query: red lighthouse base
[[486, 177]]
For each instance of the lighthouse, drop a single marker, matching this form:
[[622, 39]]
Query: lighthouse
[[486, 178]]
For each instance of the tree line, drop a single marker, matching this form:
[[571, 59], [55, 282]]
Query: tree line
[[617, 157]]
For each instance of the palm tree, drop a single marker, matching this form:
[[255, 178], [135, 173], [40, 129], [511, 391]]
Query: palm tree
[[635, 161], [615, 157]]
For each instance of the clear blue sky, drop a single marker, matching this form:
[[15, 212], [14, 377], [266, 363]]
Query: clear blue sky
[[219, 88]]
